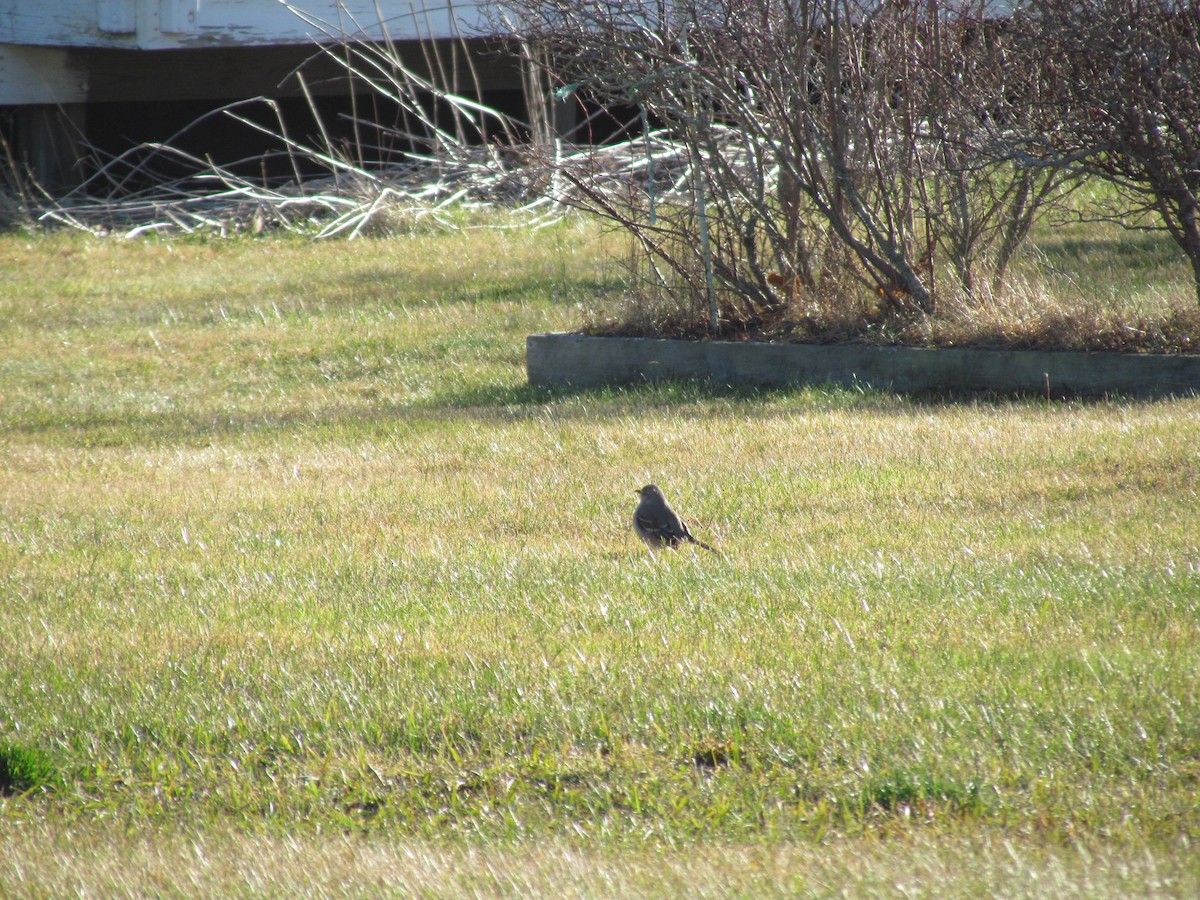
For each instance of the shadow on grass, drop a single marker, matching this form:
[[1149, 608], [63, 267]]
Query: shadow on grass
[[498, 403], [391, 287], [1138, 250], [620, 398]]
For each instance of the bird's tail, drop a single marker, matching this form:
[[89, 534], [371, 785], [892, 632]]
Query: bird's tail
[[704, 545]]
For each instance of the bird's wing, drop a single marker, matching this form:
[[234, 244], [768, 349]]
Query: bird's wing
[[676, 531], [652, 524]]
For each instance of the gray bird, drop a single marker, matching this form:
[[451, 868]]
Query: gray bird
[[659, 525]]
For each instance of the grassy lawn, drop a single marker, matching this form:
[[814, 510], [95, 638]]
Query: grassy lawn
[[305, 591]]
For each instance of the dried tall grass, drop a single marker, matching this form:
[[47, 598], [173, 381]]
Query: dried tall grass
[[441, 157]]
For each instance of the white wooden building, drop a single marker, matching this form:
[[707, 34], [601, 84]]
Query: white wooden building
[[71, 70]]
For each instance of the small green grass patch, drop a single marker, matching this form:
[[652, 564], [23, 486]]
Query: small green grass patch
[[25, 769]]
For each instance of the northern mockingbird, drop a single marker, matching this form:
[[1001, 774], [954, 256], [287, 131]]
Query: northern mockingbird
[[659, 525]]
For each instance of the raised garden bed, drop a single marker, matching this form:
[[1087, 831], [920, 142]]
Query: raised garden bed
[[579, 360]]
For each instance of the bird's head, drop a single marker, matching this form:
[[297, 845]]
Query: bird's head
[[650, 490]]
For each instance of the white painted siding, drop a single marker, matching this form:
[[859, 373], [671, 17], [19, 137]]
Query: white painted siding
[[169, 24]]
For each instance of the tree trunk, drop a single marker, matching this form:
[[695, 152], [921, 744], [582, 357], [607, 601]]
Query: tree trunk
[[1189, 241]]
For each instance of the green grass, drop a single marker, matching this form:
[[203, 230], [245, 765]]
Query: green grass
[[304, 590], [24, 770]]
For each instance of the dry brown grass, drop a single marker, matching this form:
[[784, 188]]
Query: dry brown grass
[[1082, 287], [45, 862]]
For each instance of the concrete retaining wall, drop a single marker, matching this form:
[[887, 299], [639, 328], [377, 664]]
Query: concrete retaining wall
[[581, 361]]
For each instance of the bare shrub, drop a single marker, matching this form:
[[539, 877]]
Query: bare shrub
[[1120, 102], [834, 145]]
